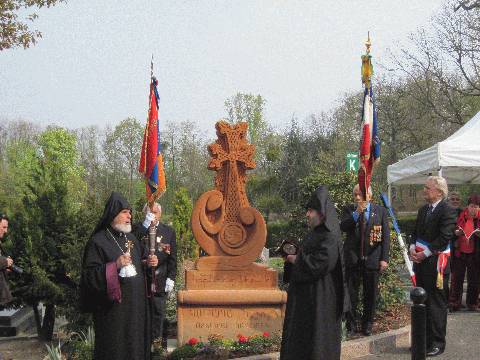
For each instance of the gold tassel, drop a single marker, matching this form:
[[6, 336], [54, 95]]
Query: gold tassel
[[440, 281]]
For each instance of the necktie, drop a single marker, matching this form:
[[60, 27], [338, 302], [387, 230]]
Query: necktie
[[429, 212]]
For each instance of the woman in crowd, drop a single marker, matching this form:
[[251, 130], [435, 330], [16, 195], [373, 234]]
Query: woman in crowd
[[465, 256]]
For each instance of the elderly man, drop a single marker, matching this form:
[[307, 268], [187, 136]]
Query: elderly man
[[5, 263], [455, 201], [166, 252], [364, 265], [113, 285], [429, 250]]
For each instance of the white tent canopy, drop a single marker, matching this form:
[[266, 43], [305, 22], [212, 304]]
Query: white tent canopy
[[457, 159]]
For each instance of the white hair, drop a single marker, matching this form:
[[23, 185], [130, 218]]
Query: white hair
[[440, 184], [147, 207]]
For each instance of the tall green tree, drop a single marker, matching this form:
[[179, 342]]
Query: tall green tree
[[128, 137], [48, 223], [249, 108], [187, 247]]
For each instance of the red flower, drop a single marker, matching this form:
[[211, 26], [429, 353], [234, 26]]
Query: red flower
[[266, 334], [192, 341], [242, 339]]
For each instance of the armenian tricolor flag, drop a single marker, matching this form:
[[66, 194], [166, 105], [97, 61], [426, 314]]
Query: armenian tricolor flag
[[151, 160]]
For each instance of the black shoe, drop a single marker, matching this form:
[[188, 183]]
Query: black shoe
[[435, 351], [367, 329], [351, 333]]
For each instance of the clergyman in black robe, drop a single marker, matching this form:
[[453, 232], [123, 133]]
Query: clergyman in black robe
[[317, 295], [119, 304]]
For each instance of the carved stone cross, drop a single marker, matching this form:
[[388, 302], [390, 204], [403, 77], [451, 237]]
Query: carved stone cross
[[223, 223], [232, 155]]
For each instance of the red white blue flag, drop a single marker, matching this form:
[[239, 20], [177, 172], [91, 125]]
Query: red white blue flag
[[370, 142], [151, 160]]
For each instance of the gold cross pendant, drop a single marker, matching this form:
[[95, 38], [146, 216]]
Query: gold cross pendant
[[129, 246]]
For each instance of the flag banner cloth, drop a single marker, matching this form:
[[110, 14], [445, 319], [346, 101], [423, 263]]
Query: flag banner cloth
[[151, 160], [370, 142], [442, 261]]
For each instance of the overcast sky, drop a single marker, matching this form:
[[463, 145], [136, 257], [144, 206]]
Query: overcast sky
[[93, 64]]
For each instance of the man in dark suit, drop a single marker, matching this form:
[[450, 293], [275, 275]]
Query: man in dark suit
[[364, 265], [434, 229], [166, 251]]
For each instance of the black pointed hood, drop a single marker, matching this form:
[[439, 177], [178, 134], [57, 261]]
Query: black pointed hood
[[320, 201], [115, 203]]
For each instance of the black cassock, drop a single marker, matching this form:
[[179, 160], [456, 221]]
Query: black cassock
[[317, 296], [119, 305]]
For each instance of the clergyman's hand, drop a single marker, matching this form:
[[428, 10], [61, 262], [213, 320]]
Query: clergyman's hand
[[152, 260], [149, 217], [169, 285], [291, 258], [123, 260], [9, 262]]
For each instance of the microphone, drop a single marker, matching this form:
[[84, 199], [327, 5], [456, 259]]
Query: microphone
[[16, 269]]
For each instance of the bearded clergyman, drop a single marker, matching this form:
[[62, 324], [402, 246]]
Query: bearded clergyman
[[113, 285]]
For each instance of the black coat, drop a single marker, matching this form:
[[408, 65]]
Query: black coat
[[122, 330], [167, 263], [377, 237], [317, 299], [5, 295], [438, 232]]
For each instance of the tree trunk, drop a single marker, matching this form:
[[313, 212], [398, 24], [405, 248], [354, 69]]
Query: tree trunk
[[48, 323]]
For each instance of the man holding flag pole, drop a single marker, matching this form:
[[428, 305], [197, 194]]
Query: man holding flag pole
[[367, 243], [157, 237]]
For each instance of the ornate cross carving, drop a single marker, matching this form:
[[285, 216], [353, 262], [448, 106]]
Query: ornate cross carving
[[232, 155], [223, 223]]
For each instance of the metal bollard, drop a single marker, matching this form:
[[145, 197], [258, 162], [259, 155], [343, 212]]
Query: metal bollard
[[419, 324]]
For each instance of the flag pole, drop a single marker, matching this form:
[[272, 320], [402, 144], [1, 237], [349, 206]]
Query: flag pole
[[366, 71]]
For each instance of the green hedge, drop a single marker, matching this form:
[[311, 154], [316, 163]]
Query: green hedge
[[276, 233], [407, 224]]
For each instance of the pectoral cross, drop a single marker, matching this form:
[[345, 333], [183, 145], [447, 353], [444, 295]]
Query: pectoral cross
[[129, 246]]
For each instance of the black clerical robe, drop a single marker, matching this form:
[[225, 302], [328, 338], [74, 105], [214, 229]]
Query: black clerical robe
[[313, 320], [119, 305]]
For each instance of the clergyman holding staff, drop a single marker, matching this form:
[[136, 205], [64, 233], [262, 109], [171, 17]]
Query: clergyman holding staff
[[113, 285]]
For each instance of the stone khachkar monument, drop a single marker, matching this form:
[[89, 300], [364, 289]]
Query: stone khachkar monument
[[228, 293]]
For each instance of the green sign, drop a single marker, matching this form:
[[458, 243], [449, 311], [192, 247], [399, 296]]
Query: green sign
[[352, 161]]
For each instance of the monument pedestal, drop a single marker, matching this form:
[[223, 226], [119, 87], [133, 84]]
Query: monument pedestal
[[230, 302]]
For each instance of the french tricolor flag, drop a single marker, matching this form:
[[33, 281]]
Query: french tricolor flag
[[370, 141]]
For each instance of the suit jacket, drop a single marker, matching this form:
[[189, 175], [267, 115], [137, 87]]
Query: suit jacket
[[167, 263], [377, 237], [437, 231]]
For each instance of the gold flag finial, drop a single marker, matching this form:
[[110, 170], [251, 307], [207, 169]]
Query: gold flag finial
[[368, 43], [367, 67]]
